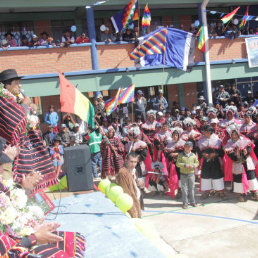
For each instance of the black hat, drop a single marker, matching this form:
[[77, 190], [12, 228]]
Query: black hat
[[8, 75], [57, 138], [3, 157], [8, 33]]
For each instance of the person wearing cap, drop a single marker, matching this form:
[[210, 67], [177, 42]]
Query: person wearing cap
[[249, 98], [34, 41], [51, 117], [56, 153], [4, 44], [160, 103], [77, 134], [112, 151], [222, 96], [32, 151], [187, 163], [82, 39], [11, 42], [248, 125], [241, 164], [209, 147], [140, 105], [65, 135]]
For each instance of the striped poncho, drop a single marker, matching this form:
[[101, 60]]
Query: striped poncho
[[33, 155]]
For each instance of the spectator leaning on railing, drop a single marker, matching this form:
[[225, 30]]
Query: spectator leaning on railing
[[82, 39], [10, 41], [24, 41], [67, 39]]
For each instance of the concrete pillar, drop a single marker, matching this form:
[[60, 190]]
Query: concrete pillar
[[92, 36], [181, 95]]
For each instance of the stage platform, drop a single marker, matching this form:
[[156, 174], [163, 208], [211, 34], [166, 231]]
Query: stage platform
[[108, 231]]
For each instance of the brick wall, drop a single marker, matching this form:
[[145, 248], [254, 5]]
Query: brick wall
[[190, 90], [41, 61], [172, 94], [115, 56]]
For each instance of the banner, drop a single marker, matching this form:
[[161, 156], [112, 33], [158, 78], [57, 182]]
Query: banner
[[252, 51]]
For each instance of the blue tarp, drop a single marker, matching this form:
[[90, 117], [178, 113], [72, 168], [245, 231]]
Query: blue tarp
[[108, 232]]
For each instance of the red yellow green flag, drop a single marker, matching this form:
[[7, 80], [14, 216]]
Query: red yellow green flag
[[73, 101], [201, 41], [229, 16]]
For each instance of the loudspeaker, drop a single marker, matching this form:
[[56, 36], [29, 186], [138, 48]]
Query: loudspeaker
[[77, 165]]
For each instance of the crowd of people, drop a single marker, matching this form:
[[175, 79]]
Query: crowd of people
[[105, 33], [210, 143]]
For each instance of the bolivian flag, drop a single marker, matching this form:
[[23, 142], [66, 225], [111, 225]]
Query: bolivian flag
[[201, 42], [229, 16], [73, 101]]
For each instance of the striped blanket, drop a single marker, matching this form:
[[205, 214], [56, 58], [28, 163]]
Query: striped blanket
[[33, 154]]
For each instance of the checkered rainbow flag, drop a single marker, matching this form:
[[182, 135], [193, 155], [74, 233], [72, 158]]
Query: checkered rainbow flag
[[127, 95], [154, 44]]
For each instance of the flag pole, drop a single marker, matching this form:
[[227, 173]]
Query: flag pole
[[139, 18], [207, 56]]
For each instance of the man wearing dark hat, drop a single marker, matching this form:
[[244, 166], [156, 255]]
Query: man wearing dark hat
[[33, 155], [140, 105], [11, 82], [222, 96]]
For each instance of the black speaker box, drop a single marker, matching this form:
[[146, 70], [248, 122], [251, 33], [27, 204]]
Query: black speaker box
[[77, 165]]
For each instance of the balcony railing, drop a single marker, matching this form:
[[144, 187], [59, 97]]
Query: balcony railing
[[111, 56]]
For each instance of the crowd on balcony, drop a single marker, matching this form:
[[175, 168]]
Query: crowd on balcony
[[105, 33]]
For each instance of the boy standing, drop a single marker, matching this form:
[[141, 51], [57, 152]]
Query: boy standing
[[187, 162]]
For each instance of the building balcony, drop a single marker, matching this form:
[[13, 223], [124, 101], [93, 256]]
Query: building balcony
[[43, 61]]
